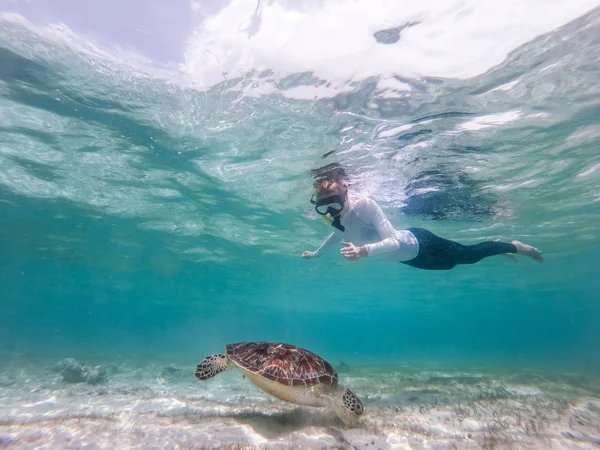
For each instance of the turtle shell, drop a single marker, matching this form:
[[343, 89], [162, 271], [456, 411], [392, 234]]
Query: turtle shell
[[283, 363]]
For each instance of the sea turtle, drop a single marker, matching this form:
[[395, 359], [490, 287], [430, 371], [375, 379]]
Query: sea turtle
[[287, 372]]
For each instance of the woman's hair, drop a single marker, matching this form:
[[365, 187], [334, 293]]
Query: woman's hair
[[330, 180]]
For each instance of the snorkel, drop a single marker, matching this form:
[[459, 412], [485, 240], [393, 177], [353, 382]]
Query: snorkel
[[327, 220]]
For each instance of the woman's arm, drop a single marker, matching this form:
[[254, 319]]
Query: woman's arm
[[330, 242], [370, 212]]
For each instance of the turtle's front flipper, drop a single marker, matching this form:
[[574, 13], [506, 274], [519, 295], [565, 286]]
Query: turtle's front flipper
[[211, 366]]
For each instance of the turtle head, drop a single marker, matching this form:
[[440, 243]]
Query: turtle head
[[212, 365], [347, 406]]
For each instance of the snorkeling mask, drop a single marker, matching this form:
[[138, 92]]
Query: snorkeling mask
[[331, 205]]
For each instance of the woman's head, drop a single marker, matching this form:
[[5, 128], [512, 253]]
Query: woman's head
[[331, 198], [331, 193], [330, 180], [328, 187]]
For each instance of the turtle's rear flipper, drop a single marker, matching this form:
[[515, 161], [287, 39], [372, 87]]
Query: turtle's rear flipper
[[210, 366]]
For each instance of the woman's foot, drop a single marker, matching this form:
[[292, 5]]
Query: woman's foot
[[511, 256], [528, 250]]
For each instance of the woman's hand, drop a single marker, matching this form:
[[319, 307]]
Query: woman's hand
[[352, 252], [308, 255]]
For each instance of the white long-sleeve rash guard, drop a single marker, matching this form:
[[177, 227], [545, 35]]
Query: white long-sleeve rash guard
[[366, 224]]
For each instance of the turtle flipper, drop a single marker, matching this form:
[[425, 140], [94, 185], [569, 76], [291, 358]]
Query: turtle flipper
[[211, 366]]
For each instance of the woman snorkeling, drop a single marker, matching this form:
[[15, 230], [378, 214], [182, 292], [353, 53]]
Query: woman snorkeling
[[364, 230]]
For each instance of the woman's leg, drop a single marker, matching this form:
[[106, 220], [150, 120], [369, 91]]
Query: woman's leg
[[436, 253]]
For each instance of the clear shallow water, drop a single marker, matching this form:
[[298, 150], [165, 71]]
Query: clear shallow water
[[149, 218]]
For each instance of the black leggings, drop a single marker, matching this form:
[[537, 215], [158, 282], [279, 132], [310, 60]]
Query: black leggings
[[436, 253]]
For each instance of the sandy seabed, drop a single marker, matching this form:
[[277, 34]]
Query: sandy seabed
[[160, 407]]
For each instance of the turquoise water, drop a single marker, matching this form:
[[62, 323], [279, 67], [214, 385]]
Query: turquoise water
[[145, 221]]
